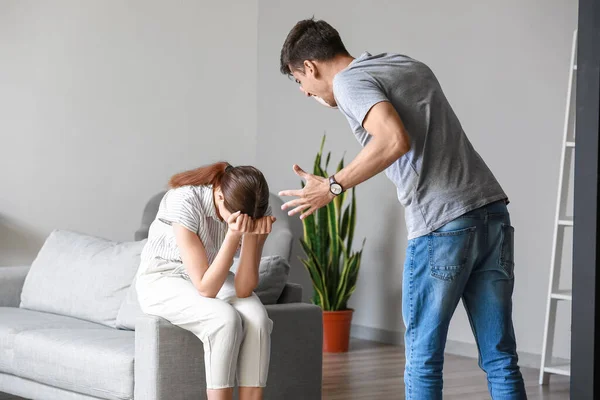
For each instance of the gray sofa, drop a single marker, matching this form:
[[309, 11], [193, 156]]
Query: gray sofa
[[74, 351]]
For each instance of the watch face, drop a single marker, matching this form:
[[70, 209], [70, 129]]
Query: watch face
[[336, 188]]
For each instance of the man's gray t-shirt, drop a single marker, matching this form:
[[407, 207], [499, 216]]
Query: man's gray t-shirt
[[442, 176]]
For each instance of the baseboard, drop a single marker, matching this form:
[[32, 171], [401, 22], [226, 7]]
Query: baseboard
[[396, 338], [377, 335]]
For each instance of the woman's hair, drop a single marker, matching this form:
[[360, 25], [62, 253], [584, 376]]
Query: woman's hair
[[244, 188]]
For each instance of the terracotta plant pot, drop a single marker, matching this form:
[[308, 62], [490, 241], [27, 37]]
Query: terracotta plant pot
[[336, 330]]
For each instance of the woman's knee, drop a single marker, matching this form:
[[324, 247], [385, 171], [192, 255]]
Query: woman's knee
[[225, 323], [262, 323], [230, 321], [256, 318]]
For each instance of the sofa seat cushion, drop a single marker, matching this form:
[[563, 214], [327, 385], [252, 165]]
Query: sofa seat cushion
[[68, 353], [14, 321]]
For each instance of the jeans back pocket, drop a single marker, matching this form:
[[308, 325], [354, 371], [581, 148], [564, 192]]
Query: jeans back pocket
[[449, 252]]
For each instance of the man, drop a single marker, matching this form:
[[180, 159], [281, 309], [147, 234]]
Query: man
[[460, 237]]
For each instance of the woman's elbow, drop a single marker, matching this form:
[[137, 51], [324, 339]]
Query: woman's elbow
[[207, 294], [204, 292], [244, 293]]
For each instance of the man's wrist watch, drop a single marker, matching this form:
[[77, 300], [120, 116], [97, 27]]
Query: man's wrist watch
[[335, 187]]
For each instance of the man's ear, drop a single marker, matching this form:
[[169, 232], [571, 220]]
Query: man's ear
[[310, 68]]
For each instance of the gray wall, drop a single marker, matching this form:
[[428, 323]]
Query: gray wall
[[102, 101], [504, 68]]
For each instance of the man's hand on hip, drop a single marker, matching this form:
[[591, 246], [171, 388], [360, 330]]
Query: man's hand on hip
[[316, 194]]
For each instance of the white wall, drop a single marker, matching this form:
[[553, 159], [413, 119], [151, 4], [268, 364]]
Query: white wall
[[102, 101], [503, 66]]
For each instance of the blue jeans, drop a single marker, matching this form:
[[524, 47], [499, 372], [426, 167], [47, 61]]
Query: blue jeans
[[470, 258]]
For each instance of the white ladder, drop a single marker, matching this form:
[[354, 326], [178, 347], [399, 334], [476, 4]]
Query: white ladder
[[562, 223]]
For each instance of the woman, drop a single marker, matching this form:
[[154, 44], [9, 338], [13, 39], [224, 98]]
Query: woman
[[208, 215]]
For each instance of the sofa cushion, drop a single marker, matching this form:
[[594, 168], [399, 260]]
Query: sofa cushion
[[14, 321], [81, 276], [273, 273], [130, 309], [68, 353]]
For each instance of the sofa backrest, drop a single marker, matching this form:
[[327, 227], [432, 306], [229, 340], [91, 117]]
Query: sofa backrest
[[81, 276]]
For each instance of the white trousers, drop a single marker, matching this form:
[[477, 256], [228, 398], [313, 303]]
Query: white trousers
[[236, 332]]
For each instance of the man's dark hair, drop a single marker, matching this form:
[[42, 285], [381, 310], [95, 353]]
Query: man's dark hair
[[310, 40]]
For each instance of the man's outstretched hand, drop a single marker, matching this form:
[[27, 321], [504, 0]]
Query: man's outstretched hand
[[315, 194]]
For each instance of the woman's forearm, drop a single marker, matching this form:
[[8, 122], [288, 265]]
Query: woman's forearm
[[246, 277], [213, 278]]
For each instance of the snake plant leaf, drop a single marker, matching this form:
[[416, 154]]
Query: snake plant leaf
[[328, 236]]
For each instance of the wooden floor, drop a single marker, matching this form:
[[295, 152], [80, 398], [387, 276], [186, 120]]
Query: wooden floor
[[375, 371]]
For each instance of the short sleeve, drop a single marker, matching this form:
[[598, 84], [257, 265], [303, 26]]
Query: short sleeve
[[181, 206], [356, 93]]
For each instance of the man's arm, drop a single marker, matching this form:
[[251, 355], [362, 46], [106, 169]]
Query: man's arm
[[388, 143]]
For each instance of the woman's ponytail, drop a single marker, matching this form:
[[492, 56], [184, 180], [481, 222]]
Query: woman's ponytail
[[207, 175]]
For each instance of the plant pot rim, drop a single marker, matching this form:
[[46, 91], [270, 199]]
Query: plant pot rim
[[348, 310]]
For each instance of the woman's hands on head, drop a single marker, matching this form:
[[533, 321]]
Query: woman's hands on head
[[263, 226], [240, 224]]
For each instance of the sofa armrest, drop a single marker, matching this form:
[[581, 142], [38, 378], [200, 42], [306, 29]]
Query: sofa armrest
[[296, 366], [141, 233], [169, 361], [292, 293], [11, 285]]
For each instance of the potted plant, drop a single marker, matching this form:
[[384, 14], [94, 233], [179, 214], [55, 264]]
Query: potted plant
[[332, 265]]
